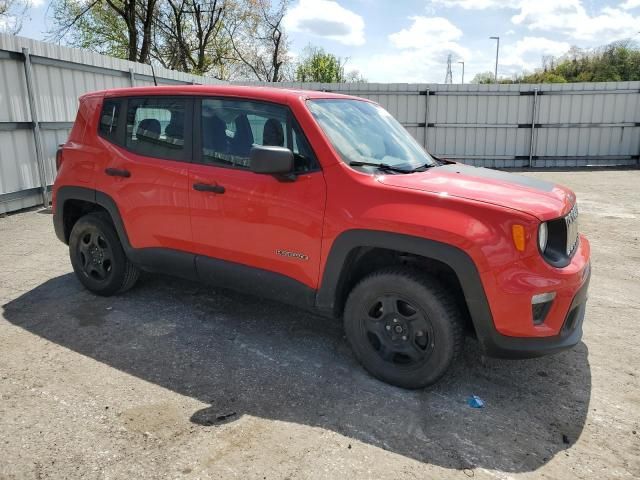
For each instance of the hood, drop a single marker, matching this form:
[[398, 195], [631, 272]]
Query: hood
[[542, 199]]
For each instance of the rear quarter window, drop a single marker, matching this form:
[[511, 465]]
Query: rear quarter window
[[108, 126]]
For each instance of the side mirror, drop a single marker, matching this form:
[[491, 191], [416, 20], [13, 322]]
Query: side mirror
[[271, 160]]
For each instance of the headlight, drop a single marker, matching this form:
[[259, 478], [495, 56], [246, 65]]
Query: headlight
[[542, 236]]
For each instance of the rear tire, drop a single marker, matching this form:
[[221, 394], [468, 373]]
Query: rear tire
[[98, 258], [403, 327]]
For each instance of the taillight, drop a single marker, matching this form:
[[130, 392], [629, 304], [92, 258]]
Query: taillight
[[59, 158]]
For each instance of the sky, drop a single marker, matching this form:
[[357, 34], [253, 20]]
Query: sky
[[409, 40]]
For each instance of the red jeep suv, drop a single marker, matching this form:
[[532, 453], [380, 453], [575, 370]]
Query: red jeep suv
[[323, 201]]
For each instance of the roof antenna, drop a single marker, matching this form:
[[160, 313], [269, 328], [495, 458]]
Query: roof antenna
[[155, 82]]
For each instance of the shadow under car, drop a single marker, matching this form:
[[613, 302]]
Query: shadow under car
[[246, 355]]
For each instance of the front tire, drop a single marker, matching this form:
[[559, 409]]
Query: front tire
[[403, 327], [98, 258]]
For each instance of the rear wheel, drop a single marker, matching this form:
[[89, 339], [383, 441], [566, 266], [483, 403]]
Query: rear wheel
[[404, 328], [97, 256]]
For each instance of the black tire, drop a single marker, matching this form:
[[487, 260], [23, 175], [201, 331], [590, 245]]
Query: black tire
[[403, 327], [97, 256]]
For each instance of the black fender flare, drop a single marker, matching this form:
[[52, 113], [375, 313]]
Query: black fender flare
[[90, 195], [459, 261]]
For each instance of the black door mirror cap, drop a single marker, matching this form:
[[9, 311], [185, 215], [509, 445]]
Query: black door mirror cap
[[271, 160]]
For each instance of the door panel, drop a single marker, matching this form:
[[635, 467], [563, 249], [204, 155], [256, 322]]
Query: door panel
[[255, 220], [152, 193], [260, 221]]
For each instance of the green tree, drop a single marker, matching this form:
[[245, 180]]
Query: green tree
[[259, 43], [317, 65], [187, 35], [227, 39], [320, 66], [121, 28], [619, 61], [483, 78]]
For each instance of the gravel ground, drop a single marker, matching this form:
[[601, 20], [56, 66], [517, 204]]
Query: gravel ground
[[175, 380]]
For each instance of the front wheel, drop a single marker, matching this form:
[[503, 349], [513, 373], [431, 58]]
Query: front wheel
[[97, 256], [404, 328]]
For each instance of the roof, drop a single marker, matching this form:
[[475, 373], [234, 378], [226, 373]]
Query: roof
[[279, 95]]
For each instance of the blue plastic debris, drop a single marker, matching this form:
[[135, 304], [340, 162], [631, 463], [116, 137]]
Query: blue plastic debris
[[475, 401]]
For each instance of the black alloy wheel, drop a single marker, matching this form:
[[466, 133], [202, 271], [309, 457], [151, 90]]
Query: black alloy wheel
[[398, 331], [404, 326], [98, 258], [95, 254]]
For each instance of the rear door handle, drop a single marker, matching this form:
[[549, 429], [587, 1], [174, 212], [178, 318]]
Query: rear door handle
[[117, 172], [204, 187]]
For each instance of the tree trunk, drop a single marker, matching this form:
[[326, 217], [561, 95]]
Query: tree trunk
[[130, 19], [145, 49]]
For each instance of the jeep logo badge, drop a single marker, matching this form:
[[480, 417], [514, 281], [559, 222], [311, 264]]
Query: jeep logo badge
[[287, 253]]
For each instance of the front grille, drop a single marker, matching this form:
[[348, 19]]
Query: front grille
[[571, 221]]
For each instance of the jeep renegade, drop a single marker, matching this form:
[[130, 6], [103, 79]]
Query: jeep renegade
[[326, 202]]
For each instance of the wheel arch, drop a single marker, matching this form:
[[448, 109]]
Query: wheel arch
[[72, 202], [354, 253]]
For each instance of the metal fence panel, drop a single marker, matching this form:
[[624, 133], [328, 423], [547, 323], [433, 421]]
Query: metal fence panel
[[497, 126], [59, 76], [18, 169], [14, 103]]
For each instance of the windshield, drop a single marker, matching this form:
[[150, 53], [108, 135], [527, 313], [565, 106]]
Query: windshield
[[364, 132]]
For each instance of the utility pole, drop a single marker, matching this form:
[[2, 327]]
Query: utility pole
[[497, 39], [462, 82], [449, 76]]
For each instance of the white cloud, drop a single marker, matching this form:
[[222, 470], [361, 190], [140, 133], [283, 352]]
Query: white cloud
[[327, 19], [629, 4], [571, 18], [527, 52], [478, 4], [420, 55], [568, 17], [418, 52], [424, 32]]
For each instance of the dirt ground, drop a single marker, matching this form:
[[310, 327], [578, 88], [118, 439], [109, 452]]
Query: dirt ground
[[175, 380]]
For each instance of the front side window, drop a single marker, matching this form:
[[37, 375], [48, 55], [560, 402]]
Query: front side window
[[230, 128], [155, 127], [364, 132]]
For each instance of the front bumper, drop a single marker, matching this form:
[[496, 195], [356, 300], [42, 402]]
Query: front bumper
[[510, 331], [503, 346]]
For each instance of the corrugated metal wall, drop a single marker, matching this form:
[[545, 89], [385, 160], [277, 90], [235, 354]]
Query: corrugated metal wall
[[60, 75], [579, 124], [488, 125]]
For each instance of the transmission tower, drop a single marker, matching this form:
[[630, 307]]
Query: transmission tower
[[449, 77]]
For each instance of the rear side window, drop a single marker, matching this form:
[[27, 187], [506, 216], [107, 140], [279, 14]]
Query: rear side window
[[156, 127], [109, 120]]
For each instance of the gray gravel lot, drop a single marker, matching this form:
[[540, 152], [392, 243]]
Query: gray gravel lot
[[175, 380]]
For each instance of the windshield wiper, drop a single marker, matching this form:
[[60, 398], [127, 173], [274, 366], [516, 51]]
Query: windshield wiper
[[422, 168], [380, 166]]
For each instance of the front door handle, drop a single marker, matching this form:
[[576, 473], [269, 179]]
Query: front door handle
[[204, 187], [117, 172]]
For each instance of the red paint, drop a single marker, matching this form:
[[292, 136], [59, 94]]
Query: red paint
[[258, 214]]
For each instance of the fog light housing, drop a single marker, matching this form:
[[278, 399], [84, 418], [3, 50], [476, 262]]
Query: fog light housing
[[540, 306]]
